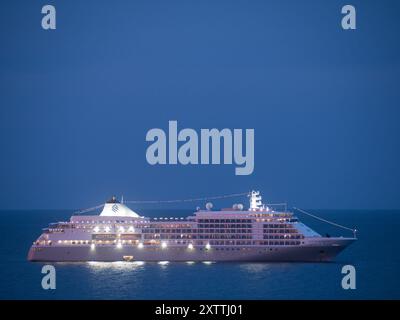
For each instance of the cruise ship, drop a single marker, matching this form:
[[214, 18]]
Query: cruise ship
[[258, 233]]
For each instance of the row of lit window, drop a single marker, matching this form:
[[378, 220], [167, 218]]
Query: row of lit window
[[140, 245], [280, 230], [183, 231], [201, 236], [280, 225], [170, 218], [216, 236], [120, 229], [167, 230], [110, 221], [273, 215], [236, 231], [283, 243], [224, 226], [118, 243], [224, 220], [286, 236], [163, 245]]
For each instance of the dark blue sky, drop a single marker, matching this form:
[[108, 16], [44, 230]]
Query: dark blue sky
[[77, 102]]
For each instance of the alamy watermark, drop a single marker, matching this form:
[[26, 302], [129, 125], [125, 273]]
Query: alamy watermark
[[49, 18], [348, 21], [49, 280], [349, 280], [188, 147]]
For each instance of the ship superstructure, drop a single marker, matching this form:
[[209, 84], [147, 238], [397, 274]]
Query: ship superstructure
[[258, 233]]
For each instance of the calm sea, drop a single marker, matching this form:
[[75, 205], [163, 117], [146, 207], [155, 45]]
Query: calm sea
[[375, 256]]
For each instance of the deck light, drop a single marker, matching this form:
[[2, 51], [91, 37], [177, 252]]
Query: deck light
[[140, 245], [163, 245], [190, 246], [208, 247]]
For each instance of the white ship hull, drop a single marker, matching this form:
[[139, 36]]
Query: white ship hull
[[322, 249]]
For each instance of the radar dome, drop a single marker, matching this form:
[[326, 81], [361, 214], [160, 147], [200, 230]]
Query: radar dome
[[209, 205]]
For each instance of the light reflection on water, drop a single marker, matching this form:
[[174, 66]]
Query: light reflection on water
[[139, 267], [259, 267], [163, 264], [255, 267], [133, 279], [116, 265], [132, 265]]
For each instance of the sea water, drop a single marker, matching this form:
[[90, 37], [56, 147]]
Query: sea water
[[375, 256]]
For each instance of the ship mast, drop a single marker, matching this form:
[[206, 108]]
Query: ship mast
[[255, 201]]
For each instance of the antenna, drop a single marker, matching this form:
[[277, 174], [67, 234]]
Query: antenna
[[122, 199]]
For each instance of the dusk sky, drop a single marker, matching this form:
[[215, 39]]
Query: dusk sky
[[76, 102]]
